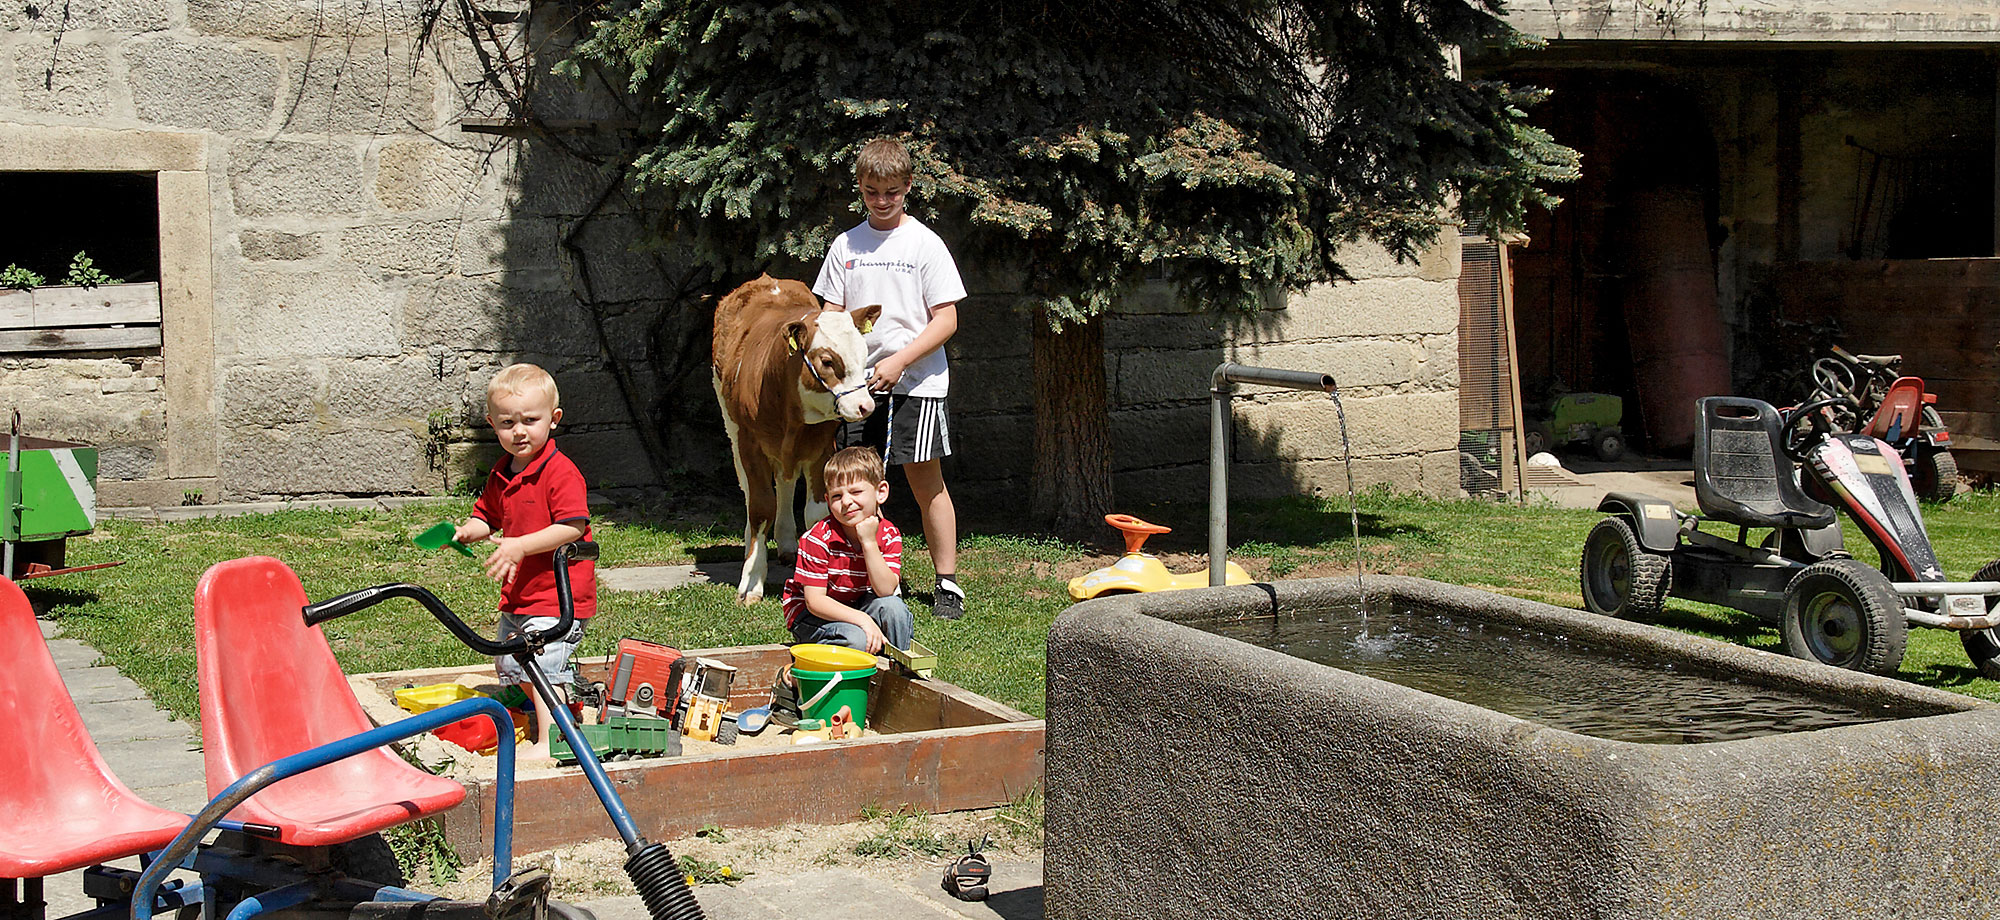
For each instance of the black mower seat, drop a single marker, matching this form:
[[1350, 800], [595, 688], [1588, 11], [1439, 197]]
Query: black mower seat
[[1741, 474]]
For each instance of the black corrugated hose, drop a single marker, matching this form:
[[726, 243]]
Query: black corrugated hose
[[661, 884]]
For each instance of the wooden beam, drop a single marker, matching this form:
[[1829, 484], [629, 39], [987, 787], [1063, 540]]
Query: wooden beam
[[115, 338], [17, 310], [104, 305]]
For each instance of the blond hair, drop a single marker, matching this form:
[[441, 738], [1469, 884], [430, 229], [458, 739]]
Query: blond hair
[[519, 379], [855, 463], [884, 159]]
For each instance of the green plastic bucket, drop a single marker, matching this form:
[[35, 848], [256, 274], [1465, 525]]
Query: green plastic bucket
[[822, 693]]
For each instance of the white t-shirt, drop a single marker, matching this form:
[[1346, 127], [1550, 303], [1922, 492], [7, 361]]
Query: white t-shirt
[[907, 271]]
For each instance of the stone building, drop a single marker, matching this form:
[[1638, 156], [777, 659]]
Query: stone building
[[350, 227]]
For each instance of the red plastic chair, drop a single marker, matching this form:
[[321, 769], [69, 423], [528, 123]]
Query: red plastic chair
[[60, 807], [270, 688]]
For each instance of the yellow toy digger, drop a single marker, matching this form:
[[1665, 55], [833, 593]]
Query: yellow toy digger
[[1141, 571]]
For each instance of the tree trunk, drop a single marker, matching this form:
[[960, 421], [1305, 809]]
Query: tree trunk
[[1071, 491]]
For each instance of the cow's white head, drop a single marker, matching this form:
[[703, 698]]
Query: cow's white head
[[834, 381]]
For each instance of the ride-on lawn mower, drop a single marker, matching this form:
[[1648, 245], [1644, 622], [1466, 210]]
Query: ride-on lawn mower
[[1829, 606]]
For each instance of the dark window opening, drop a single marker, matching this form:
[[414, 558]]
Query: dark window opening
[[114, 218], [1922, 205]]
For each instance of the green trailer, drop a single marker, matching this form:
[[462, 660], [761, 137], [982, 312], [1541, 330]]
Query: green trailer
[[49, 491]]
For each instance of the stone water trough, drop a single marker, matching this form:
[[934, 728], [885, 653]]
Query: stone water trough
[[1193, 775], [932, 746]]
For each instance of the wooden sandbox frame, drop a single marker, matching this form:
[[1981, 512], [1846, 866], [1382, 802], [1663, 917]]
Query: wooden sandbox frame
[[940, 748]]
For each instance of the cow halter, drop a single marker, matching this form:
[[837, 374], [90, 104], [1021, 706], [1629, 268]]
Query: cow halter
[[792, 342], [888, 399]]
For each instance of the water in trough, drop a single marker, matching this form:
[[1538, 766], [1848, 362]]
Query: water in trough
[[1544, 678]]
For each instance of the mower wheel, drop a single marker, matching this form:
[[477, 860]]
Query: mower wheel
[[1843, 613], [1934, 474], [1610, 445], [1983, 645], [1621, 578], [1539, 438]]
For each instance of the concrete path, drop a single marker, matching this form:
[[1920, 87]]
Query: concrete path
[[1015, 893], [1583, 483], [160, 760], [669, 577], [156, 756]]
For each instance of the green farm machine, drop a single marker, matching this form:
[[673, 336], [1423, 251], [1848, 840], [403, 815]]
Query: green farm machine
[[49, 493]]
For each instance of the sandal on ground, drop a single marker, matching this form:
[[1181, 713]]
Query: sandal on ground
[[967, 876]]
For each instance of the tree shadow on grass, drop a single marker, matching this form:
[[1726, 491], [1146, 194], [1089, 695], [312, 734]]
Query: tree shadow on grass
[[1296, 522]]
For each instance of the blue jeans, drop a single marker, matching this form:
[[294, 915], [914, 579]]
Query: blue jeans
[[889, 613]]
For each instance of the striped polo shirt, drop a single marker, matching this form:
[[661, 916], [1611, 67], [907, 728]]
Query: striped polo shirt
[[828, 561]]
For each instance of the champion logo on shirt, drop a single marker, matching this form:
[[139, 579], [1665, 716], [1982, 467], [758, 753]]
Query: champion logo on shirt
[[903, 266]]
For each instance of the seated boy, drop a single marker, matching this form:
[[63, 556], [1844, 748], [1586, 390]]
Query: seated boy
[[850, 570], [533, 503]]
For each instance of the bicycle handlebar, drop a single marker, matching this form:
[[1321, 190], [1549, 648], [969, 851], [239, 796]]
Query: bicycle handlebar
[[336, 607]]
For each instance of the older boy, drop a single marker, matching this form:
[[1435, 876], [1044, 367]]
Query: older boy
[[846, 586], [892, 259], [533, 503]]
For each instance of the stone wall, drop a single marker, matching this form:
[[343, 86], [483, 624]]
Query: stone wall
[[1759, 20], [344, 266], [1389, 338]]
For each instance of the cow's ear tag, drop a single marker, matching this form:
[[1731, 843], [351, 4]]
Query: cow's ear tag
[[792, 340], [867, 327]]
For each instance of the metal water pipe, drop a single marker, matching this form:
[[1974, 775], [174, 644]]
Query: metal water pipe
[[1220, 387]]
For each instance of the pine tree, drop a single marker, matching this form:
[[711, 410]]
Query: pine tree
[[1237, 145]]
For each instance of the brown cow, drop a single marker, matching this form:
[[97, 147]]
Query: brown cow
[[786, 373]]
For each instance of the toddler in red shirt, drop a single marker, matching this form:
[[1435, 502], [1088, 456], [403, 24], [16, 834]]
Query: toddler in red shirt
[[534, 502], [847, 585]]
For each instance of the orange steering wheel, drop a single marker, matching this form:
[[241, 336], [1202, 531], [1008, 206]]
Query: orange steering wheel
[[1136, 531]]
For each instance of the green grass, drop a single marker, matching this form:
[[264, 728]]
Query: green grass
[[138, 615]]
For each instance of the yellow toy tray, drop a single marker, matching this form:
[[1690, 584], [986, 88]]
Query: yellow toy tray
[[426, 698]]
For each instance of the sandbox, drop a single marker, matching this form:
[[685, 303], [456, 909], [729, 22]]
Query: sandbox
[[1192, 774], [932, 746]]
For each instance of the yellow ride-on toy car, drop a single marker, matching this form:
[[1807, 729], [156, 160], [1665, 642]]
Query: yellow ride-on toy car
[[1141, 571]]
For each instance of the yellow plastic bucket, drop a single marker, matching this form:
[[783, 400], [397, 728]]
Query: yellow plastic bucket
[[813, 656]]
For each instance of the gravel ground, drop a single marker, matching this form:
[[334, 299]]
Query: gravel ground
[[903, 844]]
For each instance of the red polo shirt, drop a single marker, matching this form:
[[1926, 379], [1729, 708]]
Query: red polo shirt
[[549, 491]]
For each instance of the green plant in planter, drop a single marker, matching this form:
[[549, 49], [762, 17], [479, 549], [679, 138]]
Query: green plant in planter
[[20, 279], [84, 273]]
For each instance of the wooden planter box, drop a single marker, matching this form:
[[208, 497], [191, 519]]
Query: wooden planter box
[[108, 317], [941, 748]]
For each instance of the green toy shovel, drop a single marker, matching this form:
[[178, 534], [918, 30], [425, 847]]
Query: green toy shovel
[[439, 537]]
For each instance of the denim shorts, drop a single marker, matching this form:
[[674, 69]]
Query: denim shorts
[[554, 659]]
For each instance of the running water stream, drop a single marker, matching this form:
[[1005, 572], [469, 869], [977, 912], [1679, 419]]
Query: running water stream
[[1353, 516]]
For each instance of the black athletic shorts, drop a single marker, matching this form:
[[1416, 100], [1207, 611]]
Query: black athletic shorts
[[915, 428]]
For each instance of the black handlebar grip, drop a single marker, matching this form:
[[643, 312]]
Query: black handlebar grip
[[579, 550], [336, 607]]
